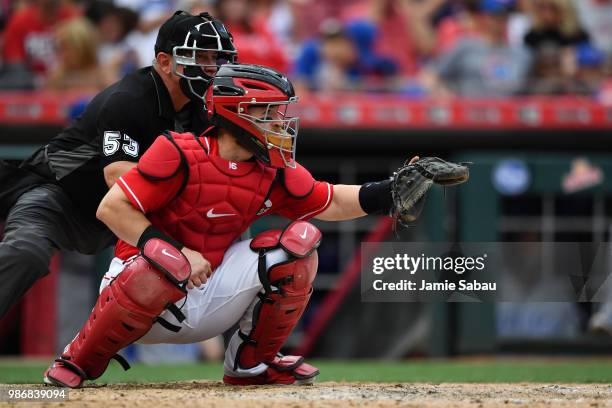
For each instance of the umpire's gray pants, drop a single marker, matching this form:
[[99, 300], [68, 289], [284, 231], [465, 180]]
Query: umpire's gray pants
[[42, 221]]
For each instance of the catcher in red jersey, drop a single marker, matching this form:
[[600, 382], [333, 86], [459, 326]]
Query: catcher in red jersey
[[180, 274]]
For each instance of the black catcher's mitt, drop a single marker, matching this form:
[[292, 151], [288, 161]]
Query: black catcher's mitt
[[411, 182]]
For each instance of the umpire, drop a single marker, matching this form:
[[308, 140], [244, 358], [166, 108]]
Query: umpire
[[50, 199]]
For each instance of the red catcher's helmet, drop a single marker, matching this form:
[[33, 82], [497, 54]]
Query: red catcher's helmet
[[251, 102]]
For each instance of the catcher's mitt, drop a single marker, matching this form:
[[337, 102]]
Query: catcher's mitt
[[411, 182]]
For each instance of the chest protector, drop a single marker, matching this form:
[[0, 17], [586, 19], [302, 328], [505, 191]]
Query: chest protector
[[219, 199]]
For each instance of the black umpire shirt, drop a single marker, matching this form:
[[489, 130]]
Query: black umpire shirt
[[119, 124]]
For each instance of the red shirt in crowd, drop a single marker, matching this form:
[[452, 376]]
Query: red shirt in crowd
[[28, 36], [393, 38], [450, 31], [258, 46]]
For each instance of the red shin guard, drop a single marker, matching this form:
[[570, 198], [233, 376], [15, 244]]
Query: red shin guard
[[125, 311], [287, 290]]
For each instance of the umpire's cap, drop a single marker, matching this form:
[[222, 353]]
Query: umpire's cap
[[184, 29]]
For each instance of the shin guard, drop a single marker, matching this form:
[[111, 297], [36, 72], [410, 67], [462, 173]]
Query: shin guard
[[125, 311], [287, 289]]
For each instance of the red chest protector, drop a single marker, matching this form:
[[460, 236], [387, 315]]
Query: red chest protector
[[219, 198]]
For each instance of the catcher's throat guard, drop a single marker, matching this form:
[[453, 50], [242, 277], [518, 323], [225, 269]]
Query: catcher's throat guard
[[287, 287], [125, 311]]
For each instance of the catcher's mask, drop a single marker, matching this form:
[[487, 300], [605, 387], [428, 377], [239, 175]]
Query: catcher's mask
[[251, 102], [200, 45]]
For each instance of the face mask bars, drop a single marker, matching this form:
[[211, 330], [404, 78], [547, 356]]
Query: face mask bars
[[280, 130], [187, 54]]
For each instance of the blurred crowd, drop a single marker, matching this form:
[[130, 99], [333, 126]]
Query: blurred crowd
[[416, 48]]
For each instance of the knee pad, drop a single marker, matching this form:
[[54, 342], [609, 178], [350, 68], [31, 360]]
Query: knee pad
[[128, 307], [287, 289]]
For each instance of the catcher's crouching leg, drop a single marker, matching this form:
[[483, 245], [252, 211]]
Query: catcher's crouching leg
[[125, 311], [287, 288]]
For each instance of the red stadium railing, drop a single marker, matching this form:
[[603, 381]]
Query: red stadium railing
[[370, 111]]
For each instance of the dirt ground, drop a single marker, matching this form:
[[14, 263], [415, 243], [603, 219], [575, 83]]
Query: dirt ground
[[332, 394]]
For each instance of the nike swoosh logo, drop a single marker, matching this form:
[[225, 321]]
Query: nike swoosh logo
[[165, 252], [211, 214], [303, 236]]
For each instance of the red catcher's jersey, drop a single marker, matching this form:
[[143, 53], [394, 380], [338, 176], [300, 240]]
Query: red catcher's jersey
[[219, 200]]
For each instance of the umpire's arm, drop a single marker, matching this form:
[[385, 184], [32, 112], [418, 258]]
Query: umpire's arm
[[121, 135], [115, 170]]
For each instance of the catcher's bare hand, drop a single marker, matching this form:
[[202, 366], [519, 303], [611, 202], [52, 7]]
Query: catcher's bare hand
[[414, 160], [200, 268]]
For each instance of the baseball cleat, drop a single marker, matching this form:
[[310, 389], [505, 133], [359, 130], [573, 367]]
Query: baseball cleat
[[285, 370], [64, 374]]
